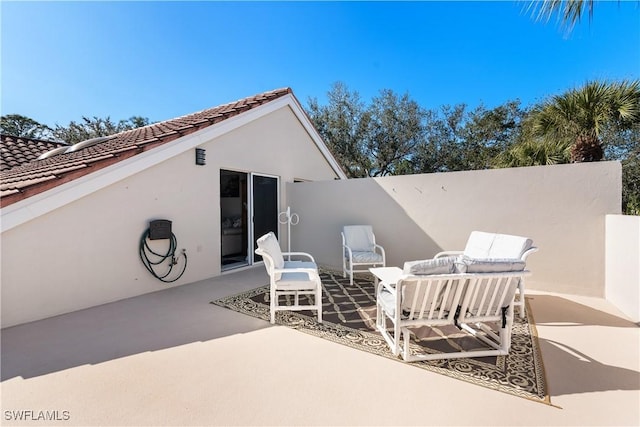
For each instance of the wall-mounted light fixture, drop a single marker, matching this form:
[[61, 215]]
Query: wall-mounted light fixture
[[200, 156]]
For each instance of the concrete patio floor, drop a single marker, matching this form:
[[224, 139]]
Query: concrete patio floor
[[171, 358]]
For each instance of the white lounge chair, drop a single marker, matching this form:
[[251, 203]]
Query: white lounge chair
[[471, 301], [359, 249], [290, 277], [493, 246]]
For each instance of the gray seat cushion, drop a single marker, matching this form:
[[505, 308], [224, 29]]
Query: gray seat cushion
[[300, 264], [296, 282], [388, 302], [366, 257]]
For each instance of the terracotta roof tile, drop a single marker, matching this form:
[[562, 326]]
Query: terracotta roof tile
[[27, 178], [15, 151]]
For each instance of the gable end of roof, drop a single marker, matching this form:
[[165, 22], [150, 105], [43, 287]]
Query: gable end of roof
[[48, 184], [35, 176]]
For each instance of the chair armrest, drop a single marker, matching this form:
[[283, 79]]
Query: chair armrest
[[348, 250], [391, 287], [447, 253], [376, 246], [300, 254], [528, 252]]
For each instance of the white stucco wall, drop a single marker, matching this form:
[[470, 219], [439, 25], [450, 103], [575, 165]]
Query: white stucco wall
[[623, 263], [562, 208], [85, 253]]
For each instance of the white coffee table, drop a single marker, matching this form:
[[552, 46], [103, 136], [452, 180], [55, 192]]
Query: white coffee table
[[386, 274]]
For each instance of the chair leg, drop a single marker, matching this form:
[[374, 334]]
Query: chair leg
[[319, 304], [505, 332], [521, 301], [344, 267], [272, 306], [397, 334]]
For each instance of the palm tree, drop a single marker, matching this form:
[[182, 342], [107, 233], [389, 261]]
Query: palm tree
[[580, 115]]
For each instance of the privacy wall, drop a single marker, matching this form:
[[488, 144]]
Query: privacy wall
[[562, 208]]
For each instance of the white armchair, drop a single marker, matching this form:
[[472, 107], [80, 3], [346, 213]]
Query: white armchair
[[290, 278], [359, 249]]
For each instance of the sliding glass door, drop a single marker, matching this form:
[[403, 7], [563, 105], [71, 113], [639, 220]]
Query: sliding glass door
[[248, 209], [265, 207]]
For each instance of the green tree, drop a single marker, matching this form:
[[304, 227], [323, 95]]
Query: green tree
[[343, 125], [368, 140], [95, 127], [580, 115], [624, 145], [488, 133], [440, 150], [631, 185], [26, 127], [395, 130], [458, 139]]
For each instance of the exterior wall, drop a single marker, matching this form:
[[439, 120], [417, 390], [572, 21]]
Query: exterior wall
[[85, 253], [562, 208], [623, 264]]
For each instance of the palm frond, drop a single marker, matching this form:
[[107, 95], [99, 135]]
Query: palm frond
[[567, 12], [535, 152]]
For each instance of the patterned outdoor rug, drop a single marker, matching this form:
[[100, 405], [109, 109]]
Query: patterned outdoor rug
[[349, 316]]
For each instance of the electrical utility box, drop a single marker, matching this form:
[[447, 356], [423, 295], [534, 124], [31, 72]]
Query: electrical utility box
[[159, 229]]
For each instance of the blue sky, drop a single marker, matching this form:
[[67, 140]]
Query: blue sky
[[65, 60]]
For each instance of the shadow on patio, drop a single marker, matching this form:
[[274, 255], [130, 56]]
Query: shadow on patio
[[164, 319]]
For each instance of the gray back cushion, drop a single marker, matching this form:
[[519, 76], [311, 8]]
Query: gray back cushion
[[359, 237], [444, 265], [489, 265]]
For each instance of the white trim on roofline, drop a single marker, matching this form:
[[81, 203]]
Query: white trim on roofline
[[47, 201], [313, 133]]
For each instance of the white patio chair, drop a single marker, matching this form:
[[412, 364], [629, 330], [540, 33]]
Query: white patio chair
[[471, 301], [359, 249], [286, 278], [493, 246]]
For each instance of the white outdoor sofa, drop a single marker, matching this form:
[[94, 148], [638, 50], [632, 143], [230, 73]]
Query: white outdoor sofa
[[475, 294], [495, 246], [470, 301]]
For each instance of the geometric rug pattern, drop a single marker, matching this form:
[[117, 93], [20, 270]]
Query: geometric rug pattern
[[349, 313]]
